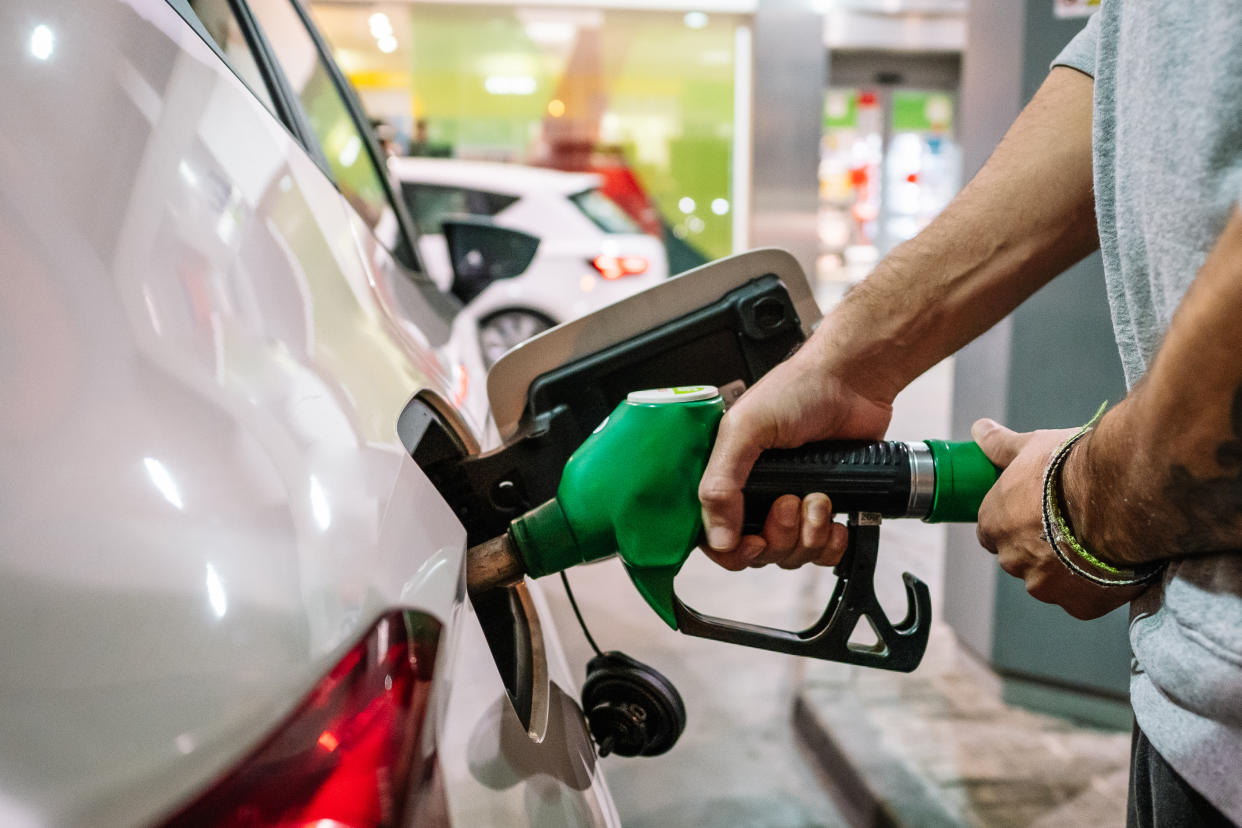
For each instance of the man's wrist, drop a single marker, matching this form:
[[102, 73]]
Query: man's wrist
[[1062, 537], [1098, 503]]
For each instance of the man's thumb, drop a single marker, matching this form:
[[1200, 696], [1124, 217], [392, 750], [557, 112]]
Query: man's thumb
[[1000, 444]]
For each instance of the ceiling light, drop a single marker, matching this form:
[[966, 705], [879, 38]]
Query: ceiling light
[[380, 25], [509, 84], [42, 41]]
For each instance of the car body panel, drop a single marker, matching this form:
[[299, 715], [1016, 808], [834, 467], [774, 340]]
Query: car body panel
[[494, 772], [204, 351]]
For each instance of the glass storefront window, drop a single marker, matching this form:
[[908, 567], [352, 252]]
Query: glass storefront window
[[644, 98], [889, 163]]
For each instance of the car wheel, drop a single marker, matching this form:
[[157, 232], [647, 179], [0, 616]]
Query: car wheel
[[502, 331]]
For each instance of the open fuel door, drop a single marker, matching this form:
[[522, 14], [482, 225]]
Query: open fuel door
[[724, 324]]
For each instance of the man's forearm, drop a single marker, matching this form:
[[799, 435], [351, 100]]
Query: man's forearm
[[1161, 476], [1023, 219]]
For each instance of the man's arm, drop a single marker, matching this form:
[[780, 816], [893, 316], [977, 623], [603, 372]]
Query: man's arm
[[1161, 476], [1023, 219]]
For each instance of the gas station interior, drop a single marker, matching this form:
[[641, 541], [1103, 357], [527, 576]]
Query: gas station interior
[[836, 130], [285, 364]]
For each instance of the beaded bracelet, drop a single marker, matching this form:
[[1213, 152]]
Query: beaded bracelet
[[1057, 530]]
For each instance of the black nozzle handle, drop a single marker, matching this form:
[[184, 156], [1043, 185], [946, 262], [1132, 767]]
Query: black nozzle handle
[[898, 646], [892, 479]]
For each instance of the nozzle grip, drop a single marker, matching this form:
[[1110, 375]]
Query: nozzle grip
[[857, 475]]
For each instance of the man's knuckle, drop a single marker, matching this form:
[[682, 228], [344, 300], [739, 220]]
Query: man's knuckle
[[714, 492]]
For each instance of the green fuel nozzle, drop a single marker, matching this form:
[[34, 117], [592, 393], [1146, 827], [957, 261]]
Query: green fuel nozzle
[[631, 489]]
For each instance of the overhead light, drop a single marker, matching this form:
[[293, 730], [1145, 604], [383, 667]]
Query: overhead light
[[686, 205], [556, 107], [380, 25], [510, 85], [387, 44], [720, 206], [695, 20], [42, 41], [551, 32]]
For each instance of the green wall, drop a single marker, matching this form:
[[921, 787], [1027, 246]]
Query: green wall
[[666, 89]]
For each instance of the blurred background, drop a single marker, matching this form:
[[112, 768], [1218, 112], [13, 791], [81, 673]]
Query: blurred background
[[660, 99]]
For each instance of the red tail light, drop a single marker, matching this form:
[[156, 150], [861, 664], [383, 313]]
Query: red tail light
[[614, 267], [348, 754]]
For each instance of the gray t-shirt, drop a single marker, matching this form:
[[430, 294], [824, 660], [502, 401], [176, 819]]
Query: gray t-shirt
[[1167, 138]]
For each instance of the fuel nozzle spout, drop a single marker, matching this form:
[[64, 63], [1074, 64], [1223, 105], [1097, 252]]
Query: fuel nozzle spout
[[493, 563], [540, 542]]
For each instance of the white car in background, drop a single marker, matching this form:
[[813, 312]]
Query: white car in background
[[590, 252]]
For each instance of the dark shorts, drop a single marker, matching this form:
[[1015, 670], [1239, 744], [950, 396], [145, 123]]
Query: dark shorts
[[1159, 797]]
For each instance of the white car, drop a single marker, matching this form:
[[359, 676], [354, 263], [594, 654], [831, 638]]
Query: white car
[[590, 253], [229, 594]]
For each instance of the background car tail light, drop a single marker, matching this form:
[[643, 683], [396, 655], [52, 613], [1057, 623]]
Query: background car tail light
[[351, 751], [614, 267]]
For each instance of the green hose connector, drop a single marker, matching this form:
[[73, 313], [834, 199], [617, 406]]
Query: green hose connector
[[964, 474]]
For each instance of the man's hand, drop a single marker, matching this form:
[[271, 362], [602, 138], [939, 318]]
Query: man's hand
[[1011, 522], [1025, 217], [797, 402]]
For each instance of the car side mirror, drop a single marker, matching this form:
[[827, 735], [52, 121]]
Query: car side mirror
[[482, 252]]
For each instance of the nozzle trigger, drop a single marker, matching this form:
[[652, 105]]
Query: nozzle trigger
[[898, 646]]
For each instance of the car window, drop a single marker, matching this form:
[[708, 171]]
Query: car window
[[604, 212], [429, 204], [220, 23], [342, 141]]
